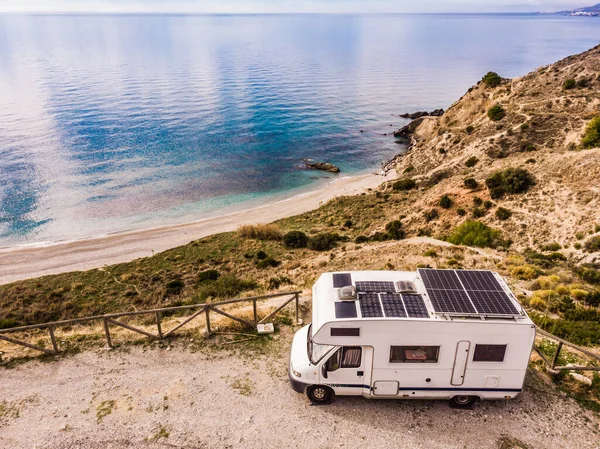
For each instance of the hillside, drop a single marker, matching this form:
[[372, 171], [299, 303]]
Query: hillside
[[538, 224], [586, 11]]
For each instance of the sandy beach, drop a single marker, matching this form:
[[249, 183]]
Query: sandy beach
[[24, 262]]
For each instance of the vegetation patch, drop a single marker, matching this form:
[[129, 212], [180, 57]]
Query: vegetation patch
[[509, 181], [404, 184], [496, 113], [472, 161], [323, 242], [569, 84], [470, 183], [491, 79], [476, 233], [591, 138], [260, 232], [297, 239], [445, 202], [227, 286]]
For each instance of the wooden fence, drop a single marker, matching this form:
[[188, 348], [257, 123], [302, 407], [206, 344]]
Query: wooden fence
[[112, 319], [552, 364]]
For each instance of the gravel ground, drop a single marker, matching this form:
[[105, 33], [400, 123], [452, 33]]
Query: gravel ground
[[191, 395]]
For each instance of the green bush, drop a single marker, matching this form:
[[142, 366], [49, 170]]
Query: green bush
[[582, 83], [591, 138], [503, 213], [445, 202], [569, 84], [477, 201], [361, 239], [322, 242], [404, 184], [593, 244], [470, 183], [491, 79], [174, 287], [268, 262], [511, 181], [551, 247], [227, 286], [496, 113], [487, 204], [469, 129], [478, 212], [472, 161], [475, 233], [394, 230], [208, 275], [431, 215], [348, 224], [461, 212], [261, 255], [590, 275], [295, 239]]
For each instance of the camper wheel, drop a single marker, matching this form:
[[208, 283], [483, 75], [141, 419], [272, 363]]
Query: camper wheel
[[319, 394], [463, 401]]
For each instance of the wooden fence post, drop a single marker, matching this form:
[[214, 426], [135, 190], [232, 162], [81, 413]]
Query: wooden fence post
[[255, 312], [158, 326], [555, 358], [297, 308], [207, 311], [53, 339], [107, 333]]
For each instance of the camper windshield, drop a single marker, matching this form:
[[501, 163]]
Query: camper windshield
[[316, 351]]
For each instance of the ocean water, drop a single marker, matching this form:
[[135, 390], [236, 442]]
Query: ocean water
[[111, 123]]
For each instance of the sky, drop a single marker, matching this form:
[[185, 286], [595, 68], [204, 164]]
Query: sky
[[287, 6]]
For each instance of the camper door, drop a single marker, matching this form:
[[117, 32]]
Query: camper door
[[345, 371]]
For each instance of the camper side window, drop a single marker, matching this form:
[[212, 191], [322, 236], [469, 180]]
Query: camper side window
[[346, 357], [414, 354], [489, 353]]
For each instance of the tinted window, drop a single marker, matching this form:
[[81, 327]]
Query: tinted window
[[346, 357], [414, 354], [345, 331], [489, 353]]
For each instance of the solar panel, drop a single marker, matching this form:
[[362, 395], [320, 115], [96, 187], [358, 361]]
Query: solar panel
[[393, 306], [451, 301], [345, 309], [415, 306], [479, 280], [493, 303], [342, 280], [375, 287], [370, 307], [440, 279]]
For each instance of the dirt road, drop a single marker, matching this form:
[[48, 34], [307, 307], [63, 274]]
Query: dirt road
[[191, 395]]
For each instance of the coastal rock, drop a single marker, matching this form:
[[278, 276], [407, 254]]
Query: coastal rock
[[324, 166], [405, 132], [419, 114]]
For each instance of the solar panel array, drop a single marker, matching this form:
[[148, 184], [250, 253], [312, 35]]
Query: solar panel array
[[375, 287], [342, 280], [466, 292], [392, 305]]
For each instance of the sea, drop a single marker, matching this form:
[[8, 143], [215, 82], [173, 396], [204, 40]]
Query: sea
[[110, 123]]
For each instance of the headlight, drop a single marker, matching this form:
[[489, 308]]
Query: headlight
[[294, 372]]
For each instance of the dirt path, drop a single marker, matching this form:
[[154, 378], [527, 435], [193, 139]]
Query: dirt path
[[203, 397]]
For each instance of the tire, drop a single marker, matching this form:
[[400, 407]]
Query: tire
[[466, 402], [319, 394]]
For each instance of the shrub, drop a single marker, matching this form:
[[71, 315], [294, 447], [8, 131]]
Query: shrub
[[438, 177], [470, 183], [227, 286], [537, 303], [551, 247], [591, 138], [590, 276], [409, 169], [295, 239], [503, 213], [430, 215], [322, 242], [430, 253], [472, 161], [488, 204], [592, 299], [276, 282], [582, 83], [477, 201], [261, 255], [461, 212], [524, 272], [174, 287], [593, 244], [491, 79], [469, 129], [404, 184], [511, 180], [445, 202], [478, 212], [394, 230], [208, 275], [524, 126], [268, 262], [569, 84], [475, 233], [348, 224], [496, 113], [361, 239], [260, 232]]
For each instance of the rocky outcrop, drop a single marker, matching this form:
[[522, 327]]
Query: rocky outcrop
[[419, 114], [324, 166], [403, 134]]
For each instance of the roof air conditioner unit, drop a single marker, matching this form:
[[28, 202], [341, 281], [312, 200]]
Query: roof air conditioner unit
[[405, 287], [347, 293]]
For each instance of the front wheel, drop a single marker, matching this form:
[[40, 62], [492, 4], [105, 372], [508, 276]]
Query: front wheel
[[463, 401], [318, 394]]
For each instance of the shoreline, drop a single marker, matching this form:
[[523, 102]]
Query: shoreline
[[47, 258]]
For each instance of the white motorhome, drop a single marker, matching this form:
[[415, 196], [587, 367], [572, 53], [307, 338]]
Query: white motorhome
[[459, 335]]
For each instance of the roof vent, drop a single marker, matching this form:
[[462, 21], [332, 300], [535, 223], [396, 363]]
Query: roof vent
[[347, 293], [405, 287]]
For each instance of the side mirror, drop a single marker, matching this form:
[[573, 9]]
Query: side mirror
[[324, 370]]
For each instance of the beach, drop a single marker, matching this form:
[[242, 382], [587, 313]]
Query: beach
[[24, 262]]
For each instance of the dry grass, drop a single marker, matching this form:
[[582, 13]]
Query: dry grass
[[260, 232]]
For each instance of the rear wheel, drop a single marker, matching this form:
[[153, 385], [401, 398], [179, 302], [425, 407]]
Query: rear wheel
[[463, 401], [319, 394]]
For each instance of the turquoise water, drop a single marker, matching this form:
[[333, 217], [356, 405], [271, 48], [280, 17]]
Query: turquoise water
[[110, 123]]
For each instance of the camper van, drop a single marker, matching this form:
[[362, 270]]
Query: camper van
[[458, 335]]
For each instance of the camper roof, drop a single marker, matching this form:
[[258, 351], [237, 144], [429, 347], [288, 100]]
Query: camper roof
[[427, 294]]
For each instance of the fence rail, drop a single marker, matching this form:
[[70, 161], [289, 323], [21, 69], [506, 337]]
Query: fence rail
[[112, 319], [551, 364]]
